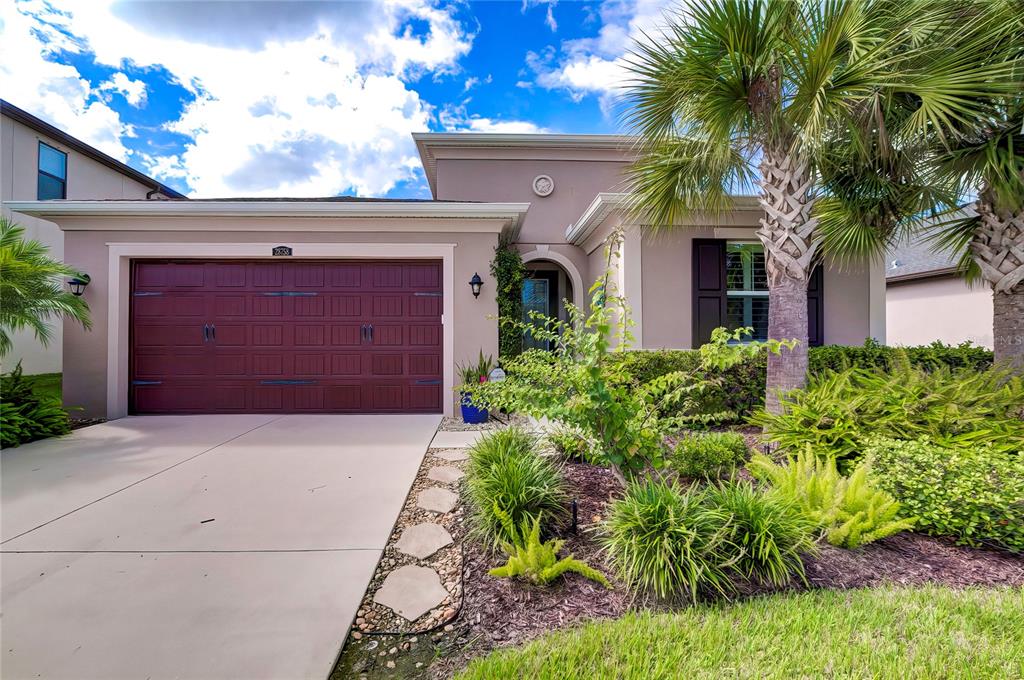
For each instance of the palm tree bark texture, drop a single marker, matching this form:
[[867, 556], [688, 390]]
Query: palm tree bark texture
[[997, 247], [788, 234]]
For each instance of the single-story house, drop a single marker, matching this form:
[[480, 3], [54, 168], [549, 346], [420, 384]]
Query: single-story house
[[926, 299], [364, 305]]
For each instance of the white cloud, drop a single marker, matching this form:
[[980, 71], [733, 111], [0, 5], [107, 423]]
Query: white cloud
[[456, 119], [597, 65], [55, 92], [318, 107], [134, 91]]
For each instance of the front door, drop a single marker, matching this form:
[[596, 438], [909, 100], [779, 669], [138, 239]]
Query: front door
[[540, 295]]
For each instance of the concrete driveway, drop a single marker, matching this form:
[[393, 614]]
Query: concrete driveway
[[197, 546]]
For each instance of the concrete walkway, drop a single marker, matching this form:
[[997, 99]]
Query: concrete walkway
[[197, 546]]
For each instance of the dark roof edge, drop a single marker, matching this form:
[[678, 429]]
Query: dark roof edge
[[39, 125], [929, 274]]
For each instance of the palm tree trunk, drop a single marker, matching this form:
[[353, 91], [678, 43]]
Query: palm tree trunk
[[997, 247], [788, 234]]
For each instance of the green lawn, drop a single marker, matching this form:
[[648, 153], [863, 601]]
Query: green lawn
[[877, 633], [46, 384]]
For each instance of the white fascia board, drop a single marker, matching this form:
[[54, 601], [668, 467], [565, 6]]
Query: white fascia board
[[511, 212], [598, 210], [606, 203]]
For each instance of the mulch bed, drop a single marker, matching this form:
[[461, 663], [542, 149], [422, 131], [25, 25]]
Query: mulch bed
[[498, 613]]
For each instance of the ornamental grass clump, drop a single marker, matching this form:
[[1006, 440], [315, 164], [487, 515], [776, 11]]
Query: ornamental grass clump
[[507, 472], [767, 529], [667, 541]]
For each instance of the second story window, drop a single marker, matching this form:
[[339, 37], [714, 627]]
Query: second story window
[[53, 173]]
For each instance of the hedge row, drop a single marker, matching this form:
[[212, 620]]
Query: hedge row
[[744, 385]]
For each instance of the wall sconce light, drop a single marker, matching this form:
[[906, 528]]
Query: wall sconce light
[[77, 285], [475, 284]]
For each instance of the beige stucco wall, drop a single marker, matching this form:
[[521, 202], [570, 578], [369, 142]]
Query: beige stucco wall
[[577, 182], [86, 179], [943, 308], [853, 309], [86, 352]]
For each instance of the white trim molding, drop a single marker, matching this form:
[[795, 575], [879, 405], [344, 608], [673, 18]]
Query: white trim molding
[[118, 285], [511, 213]]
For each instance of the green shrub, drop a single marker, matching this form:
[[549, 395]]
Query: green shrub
[[742, 387], [838, 410], [25, 415], [667, 541], [851, 511], [708, 455], [769, 530], [569, 442], [507, 472], [535, 561], [973, 494]]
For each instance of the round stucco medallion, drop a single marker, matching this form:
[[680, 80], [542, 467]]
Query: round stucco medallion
[[543, 185]]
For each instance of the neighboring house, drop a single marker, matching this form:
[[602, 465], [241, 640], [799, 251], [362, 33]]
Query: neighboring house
[[41, 162], [926, 300], [363, 305]]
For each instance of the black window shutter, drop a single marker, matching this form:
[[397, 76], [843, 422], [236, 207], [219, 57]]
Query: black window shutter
[[816, 308], [708, 288]]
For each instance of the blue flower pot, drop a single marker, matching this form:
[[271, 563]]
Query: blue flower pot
[[472, 415]]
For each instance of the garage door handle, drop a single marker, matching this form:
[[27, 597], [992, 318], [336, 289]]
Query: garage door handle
[[213, 332], [370, 330], [287, 382], [206, 332]]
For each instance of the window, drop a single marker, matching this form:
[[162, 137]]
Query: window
[[53, 173], [746, 283]]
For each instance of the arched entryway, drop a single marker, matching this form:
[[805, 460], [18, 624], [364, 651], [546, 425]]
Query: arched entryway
[[547, 289]]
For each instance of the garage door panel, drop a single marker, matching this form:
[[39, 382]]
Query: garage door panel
[[180, 363], [286, 336], [346, 335]]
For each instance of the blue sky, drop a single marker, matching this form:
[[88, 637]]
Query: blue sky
[[310, 98]]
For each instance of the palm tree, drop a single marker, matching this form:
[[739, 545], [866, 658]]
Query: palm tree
[[32, 288], [742, 92]]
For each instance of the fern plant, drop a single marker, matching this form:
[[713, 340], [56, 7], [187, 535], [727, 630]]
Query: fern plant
[[851, 511], [534, 560]]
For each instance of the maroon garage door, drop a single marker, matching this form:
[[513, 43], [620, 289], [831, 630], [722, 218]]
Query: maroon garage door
[[291, 337]]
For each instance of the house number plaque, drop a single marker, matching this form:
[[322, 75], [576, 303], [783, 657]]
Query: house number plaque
[[282, 251]]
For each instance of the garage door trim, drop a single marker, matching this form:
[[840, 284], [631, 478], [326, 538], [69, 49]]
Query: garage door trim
[[121, 254]]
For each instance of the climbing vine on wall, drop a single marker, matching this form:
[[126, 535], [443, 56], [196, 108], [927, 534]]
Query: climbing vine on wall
[[508, 271]]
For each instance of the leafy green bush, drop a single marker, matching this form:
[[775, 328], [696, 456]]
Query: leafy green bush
[[707, 455], [667, 541], [569, 442], [852, 511], [742, 387], [25, 415], [535, 561], [508, 271], [972, 494], [769, 531], [506, 471], [838, 410]]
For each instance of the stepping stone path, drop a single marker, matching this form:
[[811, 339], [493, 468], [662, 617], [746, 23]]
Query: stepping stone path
[[423, 540], [455, 440], [445, 473], [453, 455], [436, 499], [411, 591]]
